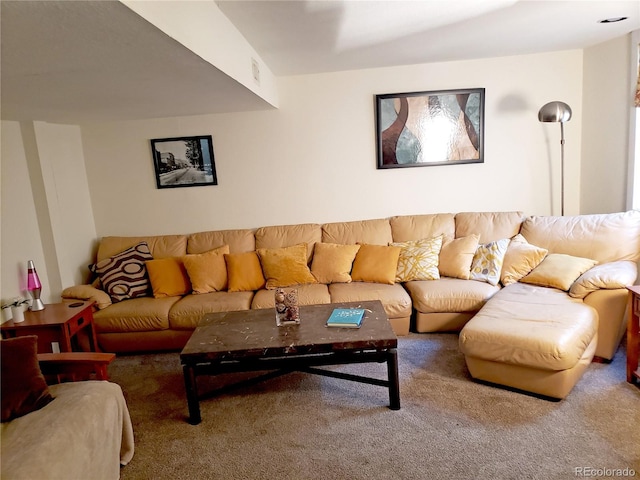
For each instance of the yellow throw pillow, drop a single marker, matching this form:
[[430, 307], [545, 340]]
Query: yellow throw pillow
[[520, 259], [168, 277], [419, 259], [558, 270], [244, 272], [332, 262], [284, 267], [457, 255], [376, 263], [207, 271]]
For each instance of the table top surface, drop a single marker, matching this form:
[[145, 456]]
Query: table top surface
[[53, 314], [254, 334], [635, 289]]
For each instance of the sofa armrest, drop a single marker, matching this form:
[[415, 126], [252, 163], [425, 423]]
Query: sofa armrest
[[88, 292], [610, 275], [74, 366]]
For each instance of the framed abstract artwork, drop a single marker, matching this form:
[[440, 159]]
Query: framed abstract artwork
[[184, 161], [422, 129]]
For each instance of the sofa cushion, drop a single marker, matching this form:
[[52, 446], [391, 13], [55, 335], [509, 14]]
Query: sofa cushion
[[416, 227], [602, 237], [418, 259], [285, 267], [375, 232], [520, 259], [135, 315], [490, 226], [558, 270], [281, 236], [310, 294], [610, 275], [207, 271], [186, 313], [449, 295], [456, 257], [244, 272], [168, 277], [24, 389], [124, 275], [394, 298], [332, 262], [532, 326], [487, 261], [376, 263], [239, 241], [160, 246]]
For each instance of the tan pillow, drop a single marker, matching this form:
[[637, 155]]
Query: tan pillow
[[88, 292], [457, 255], [376, 263], [332, 262], [168, 277], [244, 272], [520, 259], [558, 270], [284, 267], [207, 271]]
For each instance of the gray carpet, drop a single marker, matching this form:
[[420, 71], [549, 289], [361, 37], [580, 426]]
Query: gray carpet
[[302, 426]]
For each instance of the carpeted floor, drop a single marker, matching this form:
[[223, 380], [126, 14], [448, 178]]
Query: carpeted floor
[[302, 426]]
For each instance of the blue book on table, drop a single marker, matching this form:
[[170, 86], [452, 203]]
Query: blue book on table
[[346, 317]]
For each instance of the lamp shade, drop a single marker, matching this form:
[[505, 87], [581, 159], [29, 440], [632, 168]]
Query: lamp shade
[[555, 112]]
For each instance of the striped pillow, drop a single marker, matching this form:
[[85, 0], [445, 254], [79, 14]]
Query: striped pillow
[[124, 275]]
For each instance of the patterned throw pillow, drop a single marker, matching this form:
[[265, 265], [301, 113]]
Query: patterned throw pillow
[[124, 275], [487, 261], [419, 259]]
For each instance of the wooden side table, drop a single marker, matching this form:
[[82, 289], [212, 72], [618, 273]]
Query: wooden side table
[[68, 324], [633, 335]]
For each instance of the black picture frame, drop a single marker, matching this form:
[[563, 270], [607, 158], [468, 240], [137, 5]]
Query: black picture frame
[[421, 129], [184, 161]]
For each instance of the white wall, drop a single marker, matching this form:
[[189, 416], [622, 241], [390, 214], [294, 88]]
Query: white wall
[[607, 106], [314, 159], [46, 210]]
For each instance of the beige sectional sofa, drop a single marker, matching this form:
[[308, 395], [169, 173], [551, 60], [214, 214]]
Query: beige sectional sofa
[[444, 304]]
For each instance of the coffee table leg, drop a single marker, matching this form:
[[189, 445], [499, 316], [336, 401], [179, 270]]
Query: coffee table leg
[[191, 387], [394, 385]]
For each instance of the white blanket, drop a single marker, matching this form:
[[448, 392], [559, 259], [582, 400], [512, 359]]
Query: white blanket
[[84, 433]]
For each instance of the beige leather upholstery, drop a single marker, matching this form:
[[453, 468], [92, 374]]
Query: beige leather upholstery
[[316, 293], [605, 237], [289, 235], [611, 306], [529, 332], [374, 232], [449, 295], [135, 315], [186, 313], [161, 246], [441, 322], [550, 383], [416, 227], [394, 298], [490, 226], [239, 241]]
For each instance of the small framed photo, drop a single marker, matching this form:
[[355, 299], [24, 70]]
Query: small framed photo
[[422, 129], [184, 161]]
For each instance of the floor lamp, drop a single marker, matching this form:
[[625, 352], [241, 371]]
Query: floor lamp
[[557, 112]]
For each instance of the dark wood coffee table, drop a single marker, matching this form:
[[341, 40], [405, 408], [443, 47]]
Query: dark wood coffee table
[[249, 340]]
